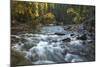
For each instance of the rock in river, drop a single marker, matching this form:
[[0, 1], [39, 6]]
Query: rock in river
[[59, 33], [83, 37], [72, 34], [66, 40]]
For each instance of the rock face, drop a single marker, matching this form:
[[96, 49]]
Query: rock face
[[66, 40]]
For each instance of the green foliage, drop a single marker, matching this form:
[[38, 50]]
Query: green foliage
[[34, 13], [76, 14], [79, 13], [37, 13], [48, 18]]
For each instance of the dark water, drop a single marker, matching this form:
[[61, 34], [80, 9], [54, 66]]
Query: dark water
[[52, 45]]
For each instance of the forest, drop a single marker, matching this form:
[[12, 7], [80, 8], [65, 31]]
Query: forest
[[69, 28], [37, 14]]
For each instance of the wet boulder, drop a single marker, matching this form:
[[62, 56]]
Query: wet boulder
[[83, 37], [14, 39], [23, 40], [66, 40], [72, 34], [59, 34]]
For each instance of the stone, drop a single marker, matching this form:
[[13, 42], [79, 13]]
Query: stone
[[83, 37], [59, 33], [66, 40], [71, 34]]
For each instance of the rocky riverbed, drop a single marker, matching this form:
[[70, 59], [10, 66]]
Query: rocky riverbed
[[54, 44]]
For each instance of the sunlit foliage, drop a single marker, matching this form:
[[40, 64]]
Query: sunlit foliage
[[40, 13]]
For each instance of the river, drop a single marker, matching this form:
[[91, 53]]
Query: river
[[52, 45]]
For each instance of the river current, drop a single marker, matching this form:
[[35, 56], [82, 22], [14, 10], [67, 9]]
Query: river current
[[51, 45]]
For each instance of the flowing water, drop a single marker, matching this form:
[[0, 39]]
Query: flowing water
[[47, 47]]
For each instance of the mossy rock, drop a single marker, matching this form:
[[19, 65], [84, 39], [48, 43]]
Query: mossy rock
[[18, 59]]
